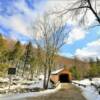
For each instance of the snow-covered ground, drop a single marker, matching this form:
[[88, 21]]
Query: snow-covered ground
[[22, 84], [89, 91], [26, 95], [19, 85]]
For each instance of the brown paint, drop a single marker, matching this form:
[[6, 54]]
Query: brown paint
[[55, 77]]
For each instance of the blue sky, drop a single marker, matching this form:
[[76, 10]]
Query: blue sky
[[16, 16], [92, 35]]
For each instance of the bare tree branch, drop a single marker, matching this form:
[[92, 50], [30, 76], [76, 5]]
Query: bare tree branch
[[53, 38], [81, 6]]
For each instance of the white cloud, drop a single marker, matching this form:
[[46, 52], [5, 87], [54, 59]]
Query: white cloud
[[59, 5], [76, 34], [91, 50], [22, 7], [16, 24], [19, 22]]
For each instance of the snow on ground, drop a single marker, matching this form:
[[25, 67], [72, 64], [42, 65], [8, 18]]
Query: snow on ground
[[84, 82], [26, 95], [4, 79], [20, 83], [90, 92], [24, 84], [88, 82]]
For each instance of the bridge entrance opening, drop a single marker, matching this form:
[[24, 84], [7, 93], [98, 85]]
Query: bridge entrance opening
[[64, 78]]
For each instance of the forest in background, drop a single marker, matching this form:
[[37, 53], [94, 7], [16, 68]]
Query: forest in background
[[30, 61]]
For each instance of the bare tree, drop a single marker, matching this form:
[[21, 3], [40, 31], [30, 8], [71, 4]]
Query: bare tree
[[81, 7], [50, 34]]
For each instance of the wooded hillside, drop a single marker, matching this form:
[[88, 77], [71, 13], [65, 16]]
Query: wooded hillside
[[28, 60]]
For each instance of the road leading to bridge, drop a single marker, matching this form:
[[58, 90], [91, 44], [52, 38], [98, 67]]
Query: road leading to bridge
[[69, 93]]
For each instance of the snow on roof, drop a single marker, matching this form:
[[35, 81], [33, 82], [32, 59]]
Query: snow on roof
[[57, 71]]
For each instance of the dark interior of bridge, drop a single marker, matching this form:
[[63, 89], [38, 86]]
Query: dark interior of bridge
[[64, 78]]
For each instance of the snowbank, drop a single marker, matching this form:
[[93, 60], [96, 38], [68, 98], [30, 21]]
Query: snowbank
[[89, 91], [19, 84], [84, 82], [26, 95], [23, 84]]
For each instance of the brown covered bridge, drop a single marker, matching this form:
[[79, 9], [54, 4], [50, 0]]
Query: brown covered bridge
[[61, 76]]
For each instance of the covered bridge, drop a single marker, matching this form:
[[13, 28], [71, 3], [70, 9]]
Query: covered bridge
[[62, 75]]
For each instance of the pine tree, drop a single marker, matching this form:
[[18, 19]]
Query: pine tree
[[15, 53], [27, 57], [93, 69], [75, 72], [3, 49], [98, 66]]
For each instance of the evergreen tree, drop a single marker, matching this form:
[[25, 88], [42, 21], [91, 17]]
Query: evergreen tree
[[3, 49], [75, 72], [28, 54], [93, 68], [98, 66], [15, 54]]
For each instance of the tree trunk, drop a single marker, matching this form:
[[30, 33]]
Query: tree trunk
[[49, 73], [45, 73], [93, 11]]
